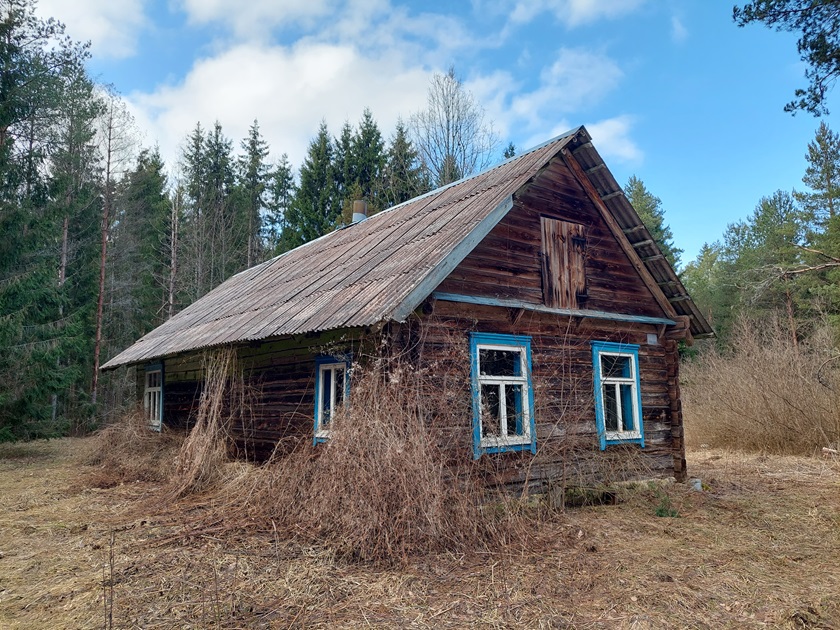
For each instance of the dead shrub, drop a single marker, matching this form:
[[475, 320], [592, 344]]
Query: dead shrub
[[200, 462], [380, 489], [128, 450], [768, 394]]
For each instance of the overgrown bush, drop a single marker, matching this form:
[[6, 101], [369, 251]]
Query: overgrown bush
[[128, 450], [770, 393], [379, 489]]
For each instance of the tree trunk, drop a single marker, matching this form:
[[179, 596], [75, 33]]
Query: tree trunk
[[173, 250], [103, 254]]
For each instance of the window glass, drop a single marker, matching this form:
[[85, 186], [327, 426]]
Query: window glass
[[331, 388], [338, 375], [618, 404], [613, 366], [502, 399], [326, 394], [626, 391], [493, 362], [513, 407], [491, 411]]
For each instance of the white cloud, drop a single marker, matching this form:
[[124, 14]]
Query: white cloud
[[573, 12], [679, 33], [612, 139], [112, 26], [289, 90], [576, 79], [252, 18]]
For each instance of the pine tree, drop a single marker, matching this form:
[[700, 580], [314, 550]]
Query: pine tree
[[822, 176], [650, 211]]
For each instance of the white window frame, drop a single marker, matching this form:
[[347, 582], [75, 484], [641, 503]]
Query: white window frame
[[153, 397], [328, 364], [629, 351], [502, 442]]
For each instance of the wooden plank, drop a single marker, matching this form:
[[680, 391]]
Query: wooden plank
[[563, 255], [473, 299], [448, 264]]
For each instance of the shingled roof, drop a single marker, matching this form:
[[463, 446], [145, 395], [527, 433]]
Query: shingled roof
[[382, 268]]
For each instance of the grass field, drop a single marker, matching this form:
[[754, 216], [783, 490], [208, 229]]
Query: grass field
[[759, 547]]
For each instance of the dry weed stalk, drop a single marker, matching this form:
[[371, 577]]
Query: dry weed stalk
[[768, 394], [205, 451]]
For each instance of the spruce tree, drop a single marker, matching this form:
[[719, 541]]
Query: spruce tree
[[253, 176], [48, 218], [650, 211], [314, 210], [403, 176], [281, 191]]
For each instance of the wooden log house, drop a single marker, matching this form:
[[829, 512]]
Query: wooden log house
[[531, 293]]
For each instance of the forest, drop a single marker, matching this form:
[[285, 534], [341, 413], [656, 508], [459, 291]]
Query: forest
[[103, 241]]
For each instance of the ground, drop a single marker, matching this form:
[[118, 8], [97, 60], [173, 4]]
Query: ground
[[758, 547]]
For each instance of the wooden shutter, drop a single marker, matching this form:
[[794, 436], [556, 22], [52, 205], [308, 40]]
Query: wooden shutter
[[563, 256]]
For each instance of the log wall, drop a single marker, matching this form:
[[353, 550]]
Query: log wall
[[279, 379], [567, 442]]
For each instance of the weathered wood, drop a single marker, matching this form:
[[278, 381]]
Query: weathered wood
[[620, 237], [563, 255]]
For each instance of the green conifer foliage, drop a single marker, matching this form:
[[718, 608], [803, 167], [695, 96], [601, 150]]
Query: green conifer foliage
[[650, 211], [314, 210]]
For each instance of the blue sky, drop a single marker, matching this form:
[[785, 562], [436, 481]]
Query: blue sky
[[671, 90]]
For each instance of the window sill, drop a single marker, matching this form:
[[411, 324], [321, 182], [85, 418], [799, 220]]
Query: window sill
[[624, 438], [506, 446]]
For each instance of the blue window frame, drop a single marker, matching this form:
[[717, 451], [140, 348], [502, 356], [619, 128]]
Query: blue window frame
[[153, 395], [502, 396], [618, 393], [332, 389]]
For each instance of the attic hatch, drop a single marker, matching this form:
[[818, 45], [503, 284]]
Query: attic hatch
[[563, 258]]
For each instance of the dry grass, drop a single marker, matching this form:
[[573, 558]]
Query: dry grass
[[379, 490], [127, 450], [767, 395], [758, 549]]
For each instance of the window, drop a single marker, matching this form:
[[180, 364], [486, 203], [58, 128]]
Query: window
[[618, 398], [503, 401], [153, 396], [332, 388], [563, 263]]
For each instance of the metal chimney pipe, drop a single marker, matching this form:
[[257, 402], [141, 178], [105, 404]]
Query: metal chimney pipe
[[359, 210]]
